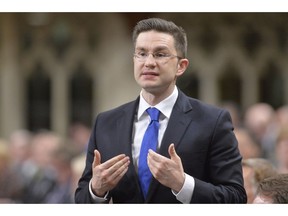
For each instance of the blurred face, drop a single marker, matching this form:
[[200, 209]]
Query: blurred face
[[260, 199], [156, 74], [248, 175], [282, 152]]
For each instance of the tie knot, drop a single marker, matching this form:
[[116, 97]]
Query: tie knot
[[154, 113]]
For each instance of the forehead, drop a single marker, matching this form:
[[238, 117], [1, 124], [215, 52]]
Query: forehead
[[154, 39]]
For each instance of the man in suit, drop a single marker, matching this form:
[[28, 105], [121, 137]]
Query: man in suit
[[196, 159]]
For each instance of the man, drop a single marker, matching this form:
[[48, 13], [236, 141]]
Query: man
[[254, 171], [196, 159], [273, 190]]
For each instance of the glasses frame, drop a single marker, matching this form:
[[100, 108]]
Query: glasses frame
[[163, 57]]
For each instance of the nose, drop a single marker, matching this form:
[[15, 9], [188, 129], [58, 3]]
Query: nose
[[150, 60]]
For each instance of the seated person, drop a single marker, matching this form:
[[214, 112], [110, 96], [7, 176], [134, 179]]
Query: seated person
[[273, 190]]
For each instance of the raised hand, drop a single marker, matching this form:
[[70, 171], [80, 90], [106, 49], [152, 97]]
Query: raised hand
[[168, 171], [107, 175]]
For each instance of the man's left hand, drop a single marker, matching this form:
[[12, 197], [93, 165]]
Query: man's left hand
[[168, 171]]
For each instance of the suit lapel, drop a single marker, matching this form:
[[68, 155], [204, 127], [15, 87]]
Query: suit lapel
[[124, 130], [124, 138], [179, 120]]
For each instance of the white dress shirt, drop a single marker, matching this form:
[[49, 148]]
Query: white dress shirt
[[141, 122]]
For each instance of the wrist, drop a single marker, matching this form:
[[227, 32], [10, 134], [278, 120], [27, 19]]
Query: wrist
[[96, 192]]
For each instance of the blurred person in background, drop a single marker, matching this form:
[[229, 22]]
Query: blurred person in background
[[254, 171], [248, 147], [19, 150], [273, 190], [79, 134], [281, 150], [40, 177], [19, 147], [259, 119], [62, 158], [9, 181], [282, 116], [235, 113], [78, 165]]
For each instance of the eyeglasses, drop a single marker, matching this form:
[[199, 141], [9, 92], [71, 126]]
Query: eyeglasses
[[158, 56]]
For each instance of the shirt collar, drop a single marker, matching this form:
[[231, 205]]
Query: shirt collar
[[165, 106]]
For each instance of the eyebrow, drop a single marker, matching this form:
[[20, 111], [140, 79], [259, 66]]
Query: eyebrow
[[156, 49]]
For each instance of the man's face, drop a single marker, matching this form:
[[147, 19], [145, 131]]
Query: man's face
[[155, 75]]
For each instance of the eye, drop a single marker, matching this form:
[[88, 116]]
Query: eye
[[142, 54], [160, 55]]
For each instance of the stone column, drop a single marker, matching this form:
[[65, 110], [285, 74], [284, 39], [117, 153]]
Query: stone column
[[59, 103], [250, 88], [208, 91], [11, 92]]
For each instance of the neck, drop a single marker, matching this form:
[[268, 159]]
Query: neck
[[153, 98]]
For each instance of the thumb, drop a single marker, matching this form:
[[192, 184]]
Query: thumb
[[172, 152], [97, 158]]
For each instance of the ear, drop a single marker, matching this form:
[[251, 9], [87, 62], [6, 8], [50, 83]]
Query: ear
[[182, 66]]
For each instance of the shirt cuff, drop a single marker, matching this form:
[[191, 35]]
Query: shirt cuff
[[95, 198], [186, 192]]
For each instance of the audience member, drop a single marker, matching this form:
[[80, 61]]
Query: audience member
[[78, 165], [40, 177], [281, 151], [273, 190], [19, 146], [235, 113], [254, 171], [19, 149], [8, 182], [79, 134], [259, 120], [61, 162], [282, 116], [247, 146]]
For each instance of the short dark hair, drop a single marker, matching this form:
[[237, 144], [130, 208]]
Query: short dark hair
[[164, 26], [275, 187]]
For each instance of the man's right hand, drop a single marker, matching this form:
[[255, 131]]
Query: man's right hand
[[107, 175]]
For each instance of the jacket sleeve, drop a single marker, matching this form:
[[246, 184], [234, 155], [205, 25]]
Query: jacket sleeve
[[82, 193], [224, 167]]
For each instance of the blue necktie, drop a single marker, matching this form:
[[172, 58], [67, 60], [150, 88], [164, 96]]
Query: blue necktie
[[150, 141]]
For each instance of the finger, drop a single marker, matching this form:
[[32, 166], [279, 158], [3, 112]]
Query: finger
[[112, 161], [116, 177], [119, 166], [119, 169], [155, 156], [97, 158], [171, 151], [119, 175], [115, 173], [155, 162]]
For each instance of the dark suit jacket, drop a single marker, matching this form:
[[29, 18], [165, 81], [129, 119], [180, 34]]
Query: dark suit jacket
[[203, 137]]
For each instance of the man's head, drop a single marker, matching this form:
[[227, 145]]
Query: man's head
[[163, 26], [273, 190], [254, 171], [159, 50]]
